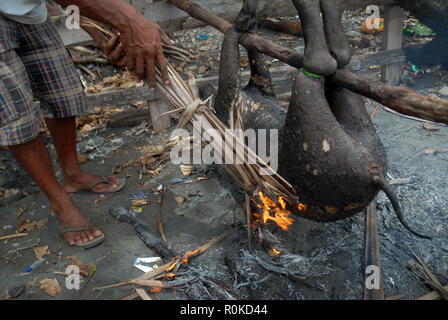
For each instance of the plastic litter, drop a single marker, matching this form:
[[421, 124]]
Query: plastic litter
[[143, 263], [106, 149], [34, 265]]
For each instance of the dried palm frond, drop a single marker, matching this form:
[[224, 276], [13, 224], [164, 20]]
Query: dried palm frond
[[184, 98]]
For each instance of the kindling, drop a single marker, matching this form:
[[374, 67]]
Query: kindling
[[208, 146]]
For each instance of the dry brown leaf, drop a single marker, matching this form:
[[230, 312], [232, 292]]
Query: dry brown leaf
[[287, 38], [207, 47], [50, 287], [430, 127], [81, 265], [244, 63], [140, 202], [154, 172], [86, 129], [32, 283], [41, 223], [41, 251], [21, 211], [203, 69], [26, 225], [179, 200], [101, 198]]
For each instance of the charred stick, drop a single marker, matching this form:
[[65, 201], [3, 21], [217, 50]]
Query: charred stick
[[402, 100], [291, 27], [143, 233], [372, 250], [159, 222], [248, 222]]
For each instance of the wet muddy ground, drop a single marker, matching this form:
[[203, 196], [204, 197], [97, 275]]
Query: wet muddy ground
[[329, 256]]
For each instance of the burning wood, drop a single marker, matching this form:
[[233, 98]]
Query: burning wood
[[270, 211], [166, 269], [190, 254]]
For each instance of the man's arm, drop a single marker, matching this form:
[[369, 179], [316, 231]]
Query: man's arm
[[140, 38]]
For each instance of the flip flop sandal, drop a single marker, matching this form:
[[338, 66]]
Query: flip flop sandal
[[88, 244], [106, 181]]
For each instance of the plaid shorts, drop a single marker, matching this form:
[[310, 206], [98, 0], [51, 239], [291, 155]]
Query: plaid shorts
[[34, 60]]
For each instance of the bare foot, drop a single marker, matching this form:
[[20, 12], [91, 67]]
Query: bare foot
[[70, 216], [83, 180]]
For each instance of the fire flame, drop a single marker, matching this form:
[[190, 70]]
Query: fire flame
[[156, 289], [271, 211], [172, 266], [276, 252], [189, 254]]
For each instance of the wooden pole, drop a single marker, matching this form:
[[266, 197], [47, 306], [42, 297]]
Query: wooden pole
[[372, 255], [402, 100], [393, 36]]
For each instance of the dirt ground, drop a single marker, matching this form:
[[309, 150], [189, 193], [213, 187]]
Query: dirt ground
[[328, 256]]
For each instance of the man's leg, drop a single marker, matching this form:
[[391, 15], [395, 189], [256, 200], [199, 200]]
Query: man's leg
[[55, 81], [63, 132], [34, 158]]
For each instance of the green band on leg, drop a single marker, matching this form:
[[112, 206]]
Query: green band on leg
[[312, 75]]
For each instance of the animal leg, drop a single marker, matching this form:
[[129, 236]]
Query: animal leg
[[317, 56], [334, 32]]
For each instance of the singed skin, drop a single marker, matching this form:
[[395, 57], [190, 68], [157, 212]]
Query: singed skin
[[329, 150], [334, 183]]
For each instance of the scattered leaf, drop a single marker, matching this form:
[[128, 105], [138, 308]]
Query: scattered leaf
[[287, 38], [91, 269], [140, 202], [32, 283], [203, 69], [41, 223], [41, 251], [21, 211], [26, 225], [50, 287], [81, 265], [244, 63], [430, 127], [86, 129], [179, 200], [101, 198]]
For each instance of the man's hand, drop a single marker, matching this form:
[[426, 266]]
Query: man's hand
[[140, 39]]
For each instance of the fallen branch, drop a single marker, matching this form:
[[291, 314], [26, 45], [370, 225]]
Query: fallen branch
[[159, 221], [429, 277], [433, 295], [13, 236], [402, 100], [142, 293], [167, 266]]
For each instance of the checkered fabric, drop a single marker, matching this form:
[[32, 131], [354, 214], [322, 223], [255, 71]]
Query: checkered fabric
[[33, 60]]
